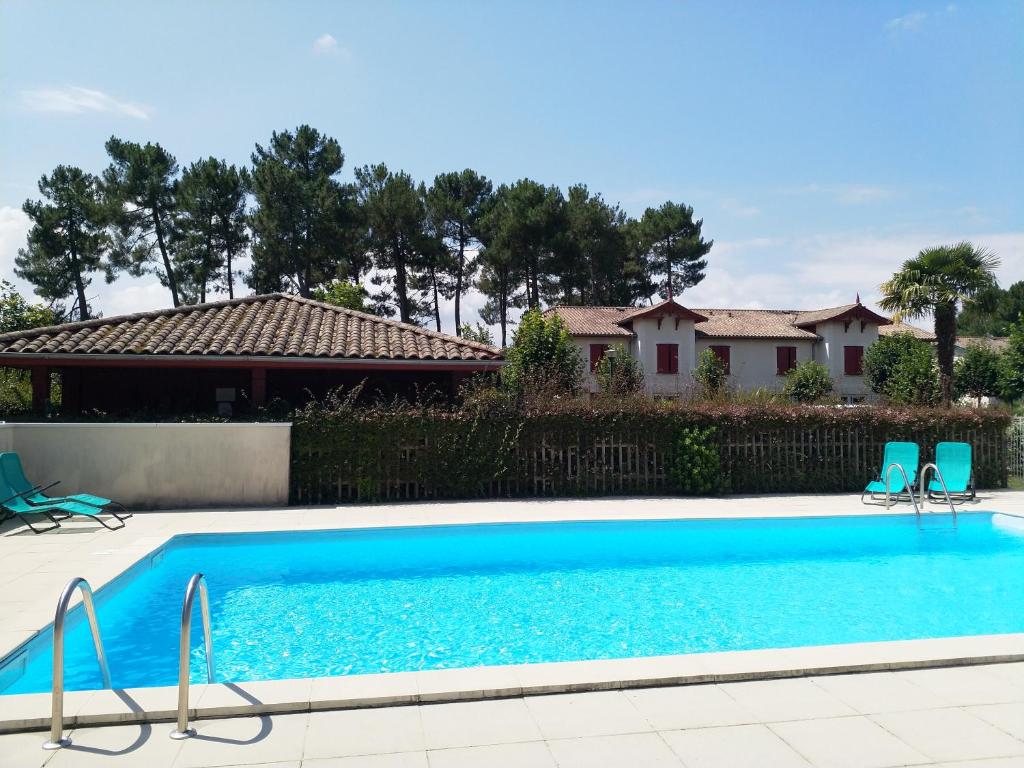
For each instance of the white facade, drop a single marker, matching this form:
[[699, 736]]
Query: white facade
[[836, 338]]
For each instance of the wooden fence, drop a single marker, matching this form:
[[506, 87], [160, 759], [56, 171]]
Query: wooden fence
[[501, 460]]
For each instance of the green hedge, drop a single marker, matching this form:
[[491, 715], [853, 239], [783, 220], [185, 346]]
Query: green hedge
[[340, 453]]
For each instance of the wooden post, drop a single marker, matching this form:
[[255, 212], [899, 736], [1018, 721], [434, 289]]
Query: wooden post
[[40, 388], [71, 391], [259, 387]]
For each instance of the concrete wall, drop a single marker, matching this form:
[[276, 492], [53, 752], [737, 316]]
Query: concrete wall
[[753, 363], [158, 465]]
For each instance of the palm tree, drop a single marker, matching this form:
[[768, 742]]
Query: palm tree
[[938, 281]]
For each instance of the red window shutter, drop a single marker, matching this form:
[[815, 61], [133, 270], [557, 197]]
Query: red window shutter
[[668, 358], [853, 361], [596, 353], [673, 358], [722, 353], [786, 359]]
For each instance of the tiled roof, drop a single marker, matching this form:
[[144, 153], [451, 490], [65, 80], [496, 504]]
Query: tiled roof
[[846, 311], [900, 327], [995, 343], [593, 321], [275, 325], [751, 323]]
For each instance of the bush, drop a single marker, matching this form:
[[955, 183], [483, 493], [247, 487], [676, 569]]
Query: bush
[[976, 374], [902, 368], [696, 467], [542, 356], [620, 373], [1011, 374], [809, 382], [709, 374], [480, 333]]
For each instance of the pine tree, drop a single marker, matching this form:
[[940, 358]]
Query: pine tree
[[305, 222], [68, 240], [673, 248], [142, 188]]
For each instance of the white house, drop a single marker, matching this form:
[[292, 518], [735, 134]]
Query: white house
[[758, 346]]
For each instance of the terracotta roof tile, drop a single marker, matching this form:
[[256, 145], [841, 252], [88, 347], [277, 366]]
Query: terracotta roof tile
[[751, 323], [272, 325], [913, 330]]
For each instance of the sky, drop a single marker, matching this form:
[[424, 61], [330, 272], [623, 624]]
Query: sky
[[821, 142]]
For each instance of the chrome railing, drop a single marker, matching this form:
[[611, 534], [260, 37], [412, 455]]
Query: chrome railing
[[945, 491], [197, 582], [57, 740], [906, 482]]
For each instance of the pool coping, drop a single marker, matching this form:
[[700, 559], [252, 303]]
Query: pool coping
[[31, 712]]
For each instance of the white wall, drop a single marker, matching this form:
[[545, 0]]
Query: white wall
[[753, 363], [158, 465], [648, 337], [583, 343], [834, 336]]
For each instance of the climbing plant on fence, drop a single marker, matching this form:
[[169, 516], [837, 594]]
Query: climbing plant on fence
[[343, 453]]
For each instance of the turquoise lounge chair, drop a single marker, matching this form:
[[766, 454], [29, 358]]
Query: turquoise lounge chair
[[25, 499], [905, 455], [10, 466], [954, 463]]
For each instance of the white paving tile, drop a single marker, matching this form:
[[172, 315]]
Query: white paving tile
[[794, 699], [364, 732], [1006, 717], [573, 715], [637, 750], [689, 706], [529, 754], [734, 746], [964, 686], [847, 742], [394, 760], [950, 734], [238, 741], [880, 692], [478, 723]]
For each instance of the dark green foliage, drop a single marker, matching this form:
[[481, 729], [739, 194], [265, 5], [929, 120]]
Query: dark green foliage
[[68, 240], [211, 227], [571, 447], [478, 332], [619, 373], [398, 238], [696, 465], [709, 373], [16, 314], [992, 312], [902, 369], [455, 204], [542, 357], [142, 189], [673, 248], [341, 293], [306, 223], [1011, 375], [809, 382], [977, 373]]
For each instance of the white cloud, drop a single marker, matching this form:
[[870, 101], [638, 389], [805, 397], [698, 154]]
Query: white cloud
[[844, 194], [14, 226], [73, 100], [907, 21], [327, 45]]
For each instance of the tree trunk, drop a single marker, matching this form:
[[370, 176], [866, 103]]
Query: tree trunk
[[437, 309], [401, 289], [172, 282], [945, 338], [231, 285], [459, 269]]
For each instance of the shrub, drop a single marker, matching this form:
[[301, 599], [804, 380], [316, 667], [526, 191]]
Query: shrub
[[342, 293], [696, 466], [709, 374], [976, 374], [1011, 374], [902, 368], [479, 332], [620, 373], [809, 382], [542, 356]]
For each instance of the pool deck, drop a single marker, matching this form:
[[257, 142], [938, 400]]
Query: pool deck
[[35, 568]]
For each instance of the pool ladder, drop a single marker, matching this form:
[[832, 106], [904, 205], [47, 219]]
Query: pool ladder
[[910, 487], [196, 584]]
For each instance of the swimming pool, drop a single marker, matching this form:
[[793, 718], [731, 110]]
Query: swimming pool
[[346, 602]]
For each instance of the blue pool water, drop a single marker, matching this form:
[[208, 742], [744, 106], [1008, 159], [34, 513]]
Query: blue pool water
[[351, 602]]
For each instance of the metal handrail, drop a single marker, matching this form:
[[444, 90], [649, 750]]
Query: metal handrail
[[57, 706], [906, 481], [942, 482], [197, 582]]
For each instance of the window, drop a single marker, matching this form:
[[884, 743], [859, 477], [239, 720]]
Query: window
[[722, 353], [786, 359], [853, 361], [596, 353], [668, 358]]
